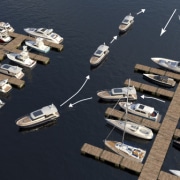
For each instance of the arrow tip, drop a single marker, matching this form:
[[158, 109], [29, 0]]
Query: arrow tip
[[70, 105], [142, 96], [115, 37], [162, 31], [88, 77], [143, 10]]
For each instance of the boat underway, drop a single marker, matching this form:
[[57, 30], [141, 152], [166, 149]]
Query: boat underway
[[126, 23], [167, 63], [116, 94], [5, 87], [175, 172], [6, 26], [141, 110], [22, 58], [44, 33], [4, 37], [131, 128], [1, 103], [125, 150], [40, 116], [160, 80], [38, 45], [99, 54], [11, 70]]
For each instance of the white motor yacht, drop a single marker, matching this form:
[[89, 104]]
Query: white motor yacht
[[101, 52], [22, 58], [38, 45], [5, 87], [11, 70], [45, 33], [40, 116]]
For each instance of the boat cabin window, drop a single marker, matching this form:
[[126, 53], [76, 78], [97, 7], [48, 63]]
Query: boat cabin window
[[116, 91], [36, 114], [98, 52]]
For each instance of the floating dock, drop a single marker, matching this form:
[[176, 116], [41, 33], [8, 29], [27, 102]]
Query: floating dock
[[160, 92], [166, 132]]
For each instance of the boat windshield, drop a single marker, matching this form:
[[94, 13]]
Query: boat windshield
[[161, 78], [98, 52], [6, 66], [36, 114], [125, 21], [116, 91]]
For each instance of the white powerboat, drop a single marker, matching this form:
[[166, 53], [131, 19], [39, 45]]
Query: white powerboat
[[131, 128], [22, 58], [125, 150], [4, 37], [11, 70], [44, 33], [5, 87], [6, 26], [160, 80], [38, 45], [38, 117], [141, 110], [175, 172], [117, 94], [126, 23], [167, 63], [99, 54]]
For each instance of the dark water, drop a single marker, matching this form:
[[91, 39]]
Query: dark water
[[53, 152]]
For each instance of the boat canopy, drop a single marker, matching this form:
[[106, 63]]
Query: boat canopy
[[101, 49], [146, 109], [127, 19], [124, 90], [45, 111]]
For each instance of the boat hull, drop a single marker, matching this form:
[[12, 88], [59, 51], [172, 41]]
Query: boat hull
[[12, 57], [44, 49], [165, 63], [150, 77], [132, 128]]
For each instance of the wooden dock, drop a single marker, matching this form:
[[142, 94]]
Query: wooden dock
[[12, 80], [110, 112], [166, 132], [160, 92], [111, 158], [18, 40], [151, 70]]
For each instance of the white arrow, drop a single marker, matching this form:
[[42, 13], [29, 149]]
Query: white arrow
[[143, 96], [87, 78], [71, 105], [163, 30], [142, 11], [179, 17], [114, 38]]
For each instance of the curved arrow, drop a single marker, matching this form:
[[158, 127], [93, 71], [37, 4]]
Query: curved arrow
[[71, 105], [163, 30], [87, 78], [143, 96], [142, 11]]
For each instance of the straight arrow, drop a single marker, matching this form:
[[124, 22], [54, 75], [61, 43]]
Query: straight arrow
[[143, 96], [114, 38], [163, 30], [142, 11]]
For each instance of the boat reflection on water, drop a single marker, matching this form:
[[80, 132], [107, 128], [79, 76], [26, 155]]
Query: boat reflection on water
[[39, 127]]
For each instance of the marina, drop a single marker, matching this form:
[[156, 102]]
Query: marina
[[166, 131]]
